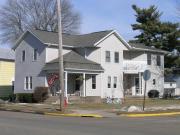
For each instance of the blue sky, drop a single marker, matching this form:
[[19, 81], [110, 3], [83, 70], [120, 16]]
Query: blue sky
[[117, 14]]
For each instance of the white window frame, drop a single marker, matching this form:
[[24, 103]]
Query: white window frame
[[28, 83]]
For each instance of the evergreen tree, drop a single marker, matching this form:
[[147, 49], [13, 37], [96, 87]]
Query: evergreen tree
[[153, 32]]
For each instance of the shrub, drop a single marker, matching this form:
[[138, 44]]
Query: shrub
[[40, 94], [12, 97], [153, 94], [25, 97]]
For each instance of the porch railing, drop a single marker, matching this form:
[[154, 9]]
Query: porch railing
[[139, 66]]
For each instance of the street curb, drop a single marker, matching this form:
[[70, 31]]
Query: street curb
[[54, 114], [151, 114], [75, 115]]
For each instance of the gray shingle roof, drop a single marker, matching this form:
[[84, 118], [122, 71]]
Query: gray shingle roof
[[136, 46], [7, 54], [85, 40], [72, 60]]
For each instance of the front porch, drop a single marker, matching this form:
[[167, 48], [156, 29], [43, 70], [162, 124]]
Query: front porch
[[133, 84], [75, 83], [81, 76]]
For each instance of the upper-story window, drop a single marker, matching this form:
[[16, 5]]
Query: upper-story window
[[158, 60], [108, 56], [35, 54], [116, 57], [23, 57], [149, 59]]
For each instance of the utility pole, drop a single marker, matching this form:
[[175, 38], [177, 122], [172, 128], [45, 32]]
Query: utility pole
[[60, 54]]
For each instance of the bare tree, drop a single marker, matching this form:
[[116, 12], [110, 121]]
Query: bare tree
[[16, 16]]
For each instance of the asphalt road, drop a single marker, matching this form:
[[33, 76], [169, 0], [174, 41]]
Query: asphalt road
[[29, 124]]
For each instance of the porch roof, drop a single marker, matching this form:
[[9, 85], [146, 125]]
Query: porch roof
[[73, 61]]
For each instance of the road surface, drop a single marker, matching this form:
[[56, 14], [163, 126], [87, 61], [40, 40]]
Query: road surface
[[12, 123]]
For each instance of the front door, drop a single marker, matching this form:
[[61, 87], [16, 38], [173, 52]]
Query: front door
[[137, 88]]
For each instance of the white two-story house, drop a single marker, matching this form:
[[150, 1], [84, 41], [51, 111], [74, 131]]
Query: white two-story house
[[100, 64]]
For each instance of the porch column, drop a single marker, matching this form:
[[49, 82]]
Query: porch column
[[140, 83], [66, 80], [84, 84]]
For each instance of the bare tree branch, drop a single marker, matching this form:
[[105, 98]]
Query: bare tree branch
[[16, 16]]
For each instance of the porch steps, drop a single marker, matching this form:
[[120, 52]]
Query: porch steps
[[51, 99]]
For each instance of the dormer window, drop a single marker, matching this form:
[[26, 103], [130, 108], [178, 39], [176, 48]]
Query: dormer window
[[23, 56], [35, 54]]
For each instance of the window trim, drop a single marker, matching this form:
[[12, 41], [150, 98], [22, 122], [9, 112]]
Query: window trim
[[108, 57], [116, 58], [28, 85]]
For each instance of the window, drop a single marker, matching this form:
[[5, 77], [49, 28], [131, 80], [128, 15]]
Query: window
[[158, 60], [93, 82], [149, 59], [115, 82], [28, 83], [108, 56], [109, 82], [154, 81], [116, 57], [35, 54], [23, 56]]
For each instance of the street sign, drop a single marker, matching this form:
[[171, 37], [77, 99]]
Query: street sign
[[146, 75]]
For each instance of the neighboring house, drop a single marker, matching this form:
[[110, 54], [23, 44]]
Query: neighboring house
[[169, 86], [175, 77], [100, 64], [7, 71]]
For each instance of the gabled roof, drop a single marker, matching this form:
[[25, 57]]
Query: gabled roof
[[85, 40], [7, 54], [51, 38], [142, 47], [73, 60]]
